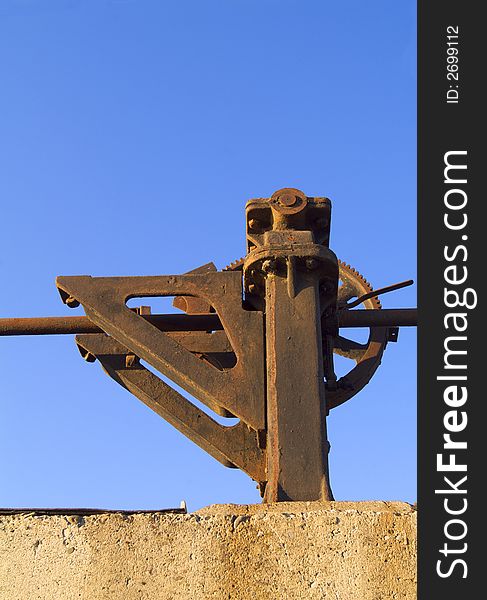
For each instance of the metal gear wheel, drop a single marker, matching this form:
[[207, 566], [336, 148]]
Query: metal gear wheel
[[368, 355]]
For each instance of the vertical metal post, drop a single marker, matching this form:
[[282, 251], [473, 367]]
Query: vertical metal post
[[297, 445], [292, 275]]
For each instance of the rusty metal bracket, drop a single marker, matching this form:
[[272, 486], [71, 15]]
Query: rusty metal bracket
[[234, 446], [239, 390]]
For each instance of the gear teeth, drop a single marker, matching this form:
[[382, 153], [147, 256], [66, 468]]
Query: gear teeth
[[236, 264], [351, 271]]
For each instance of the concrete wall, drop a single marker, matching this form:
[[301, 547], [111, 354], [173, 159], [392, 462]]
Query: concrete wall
[[335, 550]]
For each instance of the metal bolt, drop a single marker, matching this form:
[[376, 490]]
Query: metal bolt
[[130, 360], [269, 266], [287, 199], [89, 357], [71, 302]]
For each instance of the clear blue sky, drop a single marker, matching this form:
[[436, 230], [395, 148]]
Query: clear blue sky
[[131, 135]]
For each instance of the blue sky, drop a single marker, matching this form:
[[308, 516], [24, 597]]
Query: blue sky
[[131, 136]]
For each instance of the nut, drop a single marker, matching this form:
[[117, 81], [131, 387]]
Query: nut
[[254, 225], [269, 266], [287, 199], [71, 302], [131, 360]]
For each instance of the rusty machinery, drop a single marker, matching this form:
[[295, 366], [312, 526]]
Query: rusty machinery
[[254, 341]]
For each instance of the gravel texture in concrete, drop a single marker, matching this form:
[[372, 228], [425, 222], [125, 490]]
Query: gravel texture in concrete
[[312, 550]]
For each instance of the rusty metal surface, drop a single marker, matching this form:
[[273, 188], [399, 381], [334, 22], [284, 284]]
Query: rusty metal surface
[[257, 342], [73, 325], [379, 292], [239, 390], [291, 272], [368, 356], [388, 317], [297, 445], [233, 446]]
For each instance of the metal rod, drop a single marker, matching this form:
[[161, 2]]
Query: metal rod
[[396, 317], [73, 325], [386, 317], [384, 290]]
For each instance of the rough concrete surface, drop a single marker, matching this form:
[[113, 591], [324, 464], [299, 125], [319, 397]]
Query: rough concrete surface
[[332, 550]]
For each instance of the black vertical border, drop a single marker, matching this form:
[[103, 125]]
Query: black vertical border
[[444, 127]]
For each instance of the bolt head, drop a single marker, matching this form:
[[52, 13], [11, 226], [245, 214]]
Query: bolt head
[[269, 266], [254, 224], [131, 360], [72, 302], [287, 199], [89, 357]]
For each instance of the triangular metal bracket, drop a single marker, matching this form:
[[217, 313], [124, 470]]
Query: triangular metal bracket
[[234, 446], [240, 390]]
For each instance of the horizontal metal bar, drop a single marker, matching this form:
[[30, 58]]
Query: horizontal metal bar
[[396, 317], [73, 325], [386, 317]]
